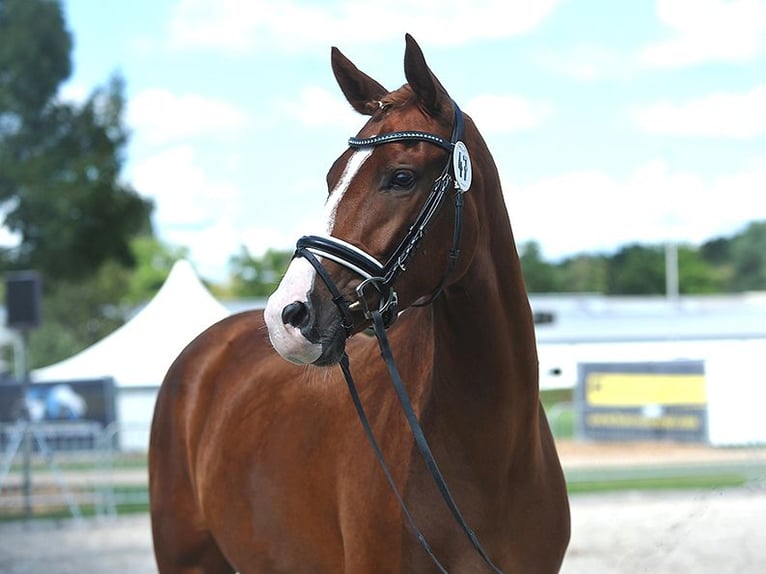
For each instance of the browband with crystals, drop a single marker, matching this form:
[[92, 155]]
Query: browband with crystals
[[400, 136]]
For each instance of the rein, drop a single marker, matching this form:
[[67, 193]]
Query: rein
[[420, 440], [381, 278]]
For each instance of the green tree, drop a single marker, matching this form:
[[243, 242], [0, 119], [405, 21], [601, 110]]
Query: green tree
[[60, 187], [78, 313], [154, 260], [695, 275], [584, 274], [539, 275], [34, 59], [716, 251], [636, 270], [251, 276], [748, 258]]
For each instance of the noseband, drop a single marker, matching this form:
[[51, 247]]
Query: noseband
[[377, 278]]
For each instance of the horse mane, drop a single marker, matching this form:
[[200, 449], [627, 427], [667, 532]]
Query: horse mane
[[403, 97]]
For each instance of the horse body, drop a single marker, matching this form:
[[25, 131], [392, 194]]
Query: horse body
[[259, 451], [261, 466]]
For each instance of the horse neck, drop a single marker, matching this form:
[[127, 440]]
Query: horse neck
[[485, 357]]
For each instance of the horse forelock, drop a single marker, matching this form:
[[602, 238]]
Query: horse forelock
[[398, 98], [402, 99]]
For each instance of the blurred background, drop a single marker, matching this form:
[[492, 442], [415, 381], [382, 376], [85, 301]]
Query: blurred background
[[159, 159]]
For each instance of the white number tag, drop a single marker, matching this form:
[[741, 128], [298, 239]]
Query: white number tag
[[461, 163]]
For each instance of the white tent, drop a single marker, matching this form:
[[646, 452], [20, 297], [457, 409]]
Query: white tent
[[138, 354]]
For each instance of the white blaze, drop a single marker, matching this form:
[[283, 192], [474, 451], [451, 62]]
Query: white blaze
[[353, 166], [299, 279]]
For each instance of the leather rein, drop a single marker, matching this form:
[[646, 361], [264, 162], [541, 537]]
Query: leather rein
[[380, 278]]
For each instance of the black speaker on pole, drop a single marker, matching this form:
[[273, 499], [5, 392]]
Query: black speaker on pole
[[22, 299]]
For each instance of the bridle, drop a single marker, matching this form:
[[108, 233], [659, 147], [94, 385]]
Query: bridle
[[377, 278], [381, 278]]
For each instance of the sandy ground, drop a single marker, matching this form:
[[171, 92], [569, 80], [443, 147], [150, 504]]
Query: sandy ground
[[582, 454], [709, 532], [705, 532]]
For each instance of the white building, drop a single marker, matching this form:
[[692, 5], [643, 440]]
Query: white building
[[727, 332]]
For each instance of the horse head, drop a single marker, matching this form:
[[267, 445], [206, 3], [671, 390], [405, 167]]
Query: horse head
[[391, 237]]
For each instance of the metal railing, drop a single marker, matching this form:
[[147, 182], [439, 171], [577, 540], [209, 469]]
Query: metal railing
[[72, 469], [84, 469]]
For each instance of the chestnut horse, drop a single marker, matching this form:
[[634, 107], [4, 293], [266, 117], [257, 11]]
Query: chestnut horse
[[259, 464]]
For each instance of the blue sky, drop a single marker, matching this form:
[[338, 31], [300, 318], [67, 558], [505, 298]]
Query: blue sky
[[610, 122]]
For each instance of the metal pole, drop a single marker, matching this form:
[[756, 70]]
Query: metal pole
[[22, 306], [671, 271], [27, 440]]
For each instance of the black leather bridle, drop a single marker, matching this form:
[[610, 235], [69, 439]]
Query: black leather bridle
[[381, 278]]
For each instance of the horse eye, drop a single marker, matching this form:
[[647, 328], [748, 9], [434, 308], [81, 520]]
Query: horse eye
[[403, 179]]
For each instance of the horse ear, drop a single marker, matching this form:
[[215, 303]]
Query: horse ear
[[361, 91], [426, 86]]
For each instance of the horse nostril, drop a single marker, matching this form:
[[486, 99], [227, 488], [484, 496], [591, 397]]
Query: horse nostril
[[295, 314]]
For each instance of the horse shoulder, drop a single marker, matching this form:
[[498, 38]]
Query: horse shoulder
[[215, 377]]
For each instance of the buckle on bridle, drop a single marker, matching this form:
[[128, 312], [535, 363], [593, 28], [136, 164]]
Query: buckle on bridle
[[388, 300]]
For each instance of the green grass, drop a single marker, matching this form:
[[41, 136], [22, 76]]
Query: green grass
[[560, 411], [86, 511], [134, 499], [131, 499], [708, 482], [85, 463], [552, 396], [128, 500], [686, 477]]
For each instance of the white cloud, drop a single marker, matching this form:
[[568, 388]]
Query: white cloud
[[210, 247], [192, 209], [587, 62], [592, 211], [317, 107], [504, 114], [260, 239], [707, 30], [721, 114], [244, 26], [161, 117], [185, 196], [9, 239], [73, 92], [567, 214]]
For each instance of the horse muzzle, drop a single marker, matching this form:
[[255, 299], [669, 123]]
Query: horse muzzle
[[306, 328], [290, 317]]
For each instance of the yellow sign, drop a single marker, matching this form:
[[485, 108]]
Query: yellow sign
[[675, 422], [639, 389]]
